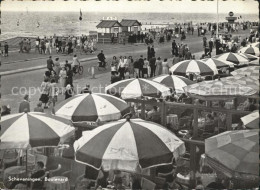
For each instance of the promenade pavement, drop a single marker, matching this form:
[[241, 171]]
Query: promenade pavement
[[22, 82]]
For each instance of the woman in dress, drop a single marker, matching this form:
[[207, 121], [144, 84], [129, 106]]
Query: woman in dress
[[63, 78], [165, 67], [126, 63], [145, 68], [130, 66], [45, 90], [158, 66], [57, 68], [114, 65]]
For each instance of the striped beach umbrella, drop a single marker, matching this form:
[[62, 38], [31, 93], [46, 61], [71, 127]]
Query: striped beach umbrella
[[33, 129], [243, 80], [92, 107], [256, 44], [252, 71], [251, 121], [233, 57], [234, 152], [198, 67], [248, 56], [218, 89], [250, 50], [128, 144], [174, 81], [136, 88], [212, 62]]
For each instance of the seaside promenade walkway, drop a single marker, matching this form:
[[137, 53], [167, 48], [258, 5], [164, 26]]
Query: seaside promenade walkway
[[18, 83]]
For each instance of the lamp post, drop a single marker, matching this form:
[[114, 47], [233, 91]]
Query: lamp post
[[217, 19]]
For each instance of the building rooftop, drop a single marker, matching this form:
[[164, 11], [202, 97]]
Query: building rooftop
[[108, 24], [127, 22]]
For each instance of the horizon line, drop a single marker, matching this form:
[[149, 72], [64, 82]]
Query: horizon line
[[130, 12]]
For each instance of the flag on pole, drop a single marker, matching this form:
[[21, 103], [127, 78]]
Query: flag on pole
[[80, 15]]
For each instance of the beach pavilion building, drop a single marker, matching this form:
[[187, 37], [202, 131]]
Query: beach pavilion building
[[107, 29], [132, 26]]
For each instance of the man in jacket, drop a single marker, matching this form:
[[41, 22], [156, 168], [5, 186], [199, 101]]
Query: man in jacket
[[152, 66], [141, 64], [50, 64]]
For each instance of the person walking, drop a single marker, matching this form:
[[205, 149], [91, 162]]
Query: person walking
[[43, 47], [145, 68], [47, 44], [21, 46], [121, 68], [53, 94], [75, 64], [57, 68], [165, 67], [25, 104], [152, 66], [159, 66], [6, 47], [148, 52], [37, 44], [141, 64], [174, 48], [114, 65], [211, 46], [127, 71], [188, 55], [45, 90], [136, 68], [69, 76], [152, 54], [130, 66], [50, 64], [63, 78]]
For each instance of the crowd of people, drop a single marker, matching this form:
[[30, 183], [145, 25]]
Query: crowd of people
[[150, 66], [64, 45]]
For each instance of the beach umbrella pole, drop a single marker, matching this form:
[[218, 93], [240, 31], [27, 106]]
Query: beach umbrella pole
[[26, 159]]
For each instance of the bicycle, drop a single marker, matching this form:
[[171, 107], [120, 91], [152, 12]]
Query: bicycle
[[102, 65], [78, 69]]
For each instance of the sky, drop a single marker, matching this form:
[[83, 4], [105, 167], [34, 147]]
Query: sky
[[175, 6]]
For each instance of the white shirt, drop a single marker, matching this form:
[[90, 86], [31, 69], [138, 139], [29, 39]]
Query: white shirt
[[75, 61], [121, 63]]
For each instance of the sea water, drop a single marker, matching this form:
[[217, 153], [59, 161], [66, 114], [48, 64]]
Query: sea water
[[32, 24]]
